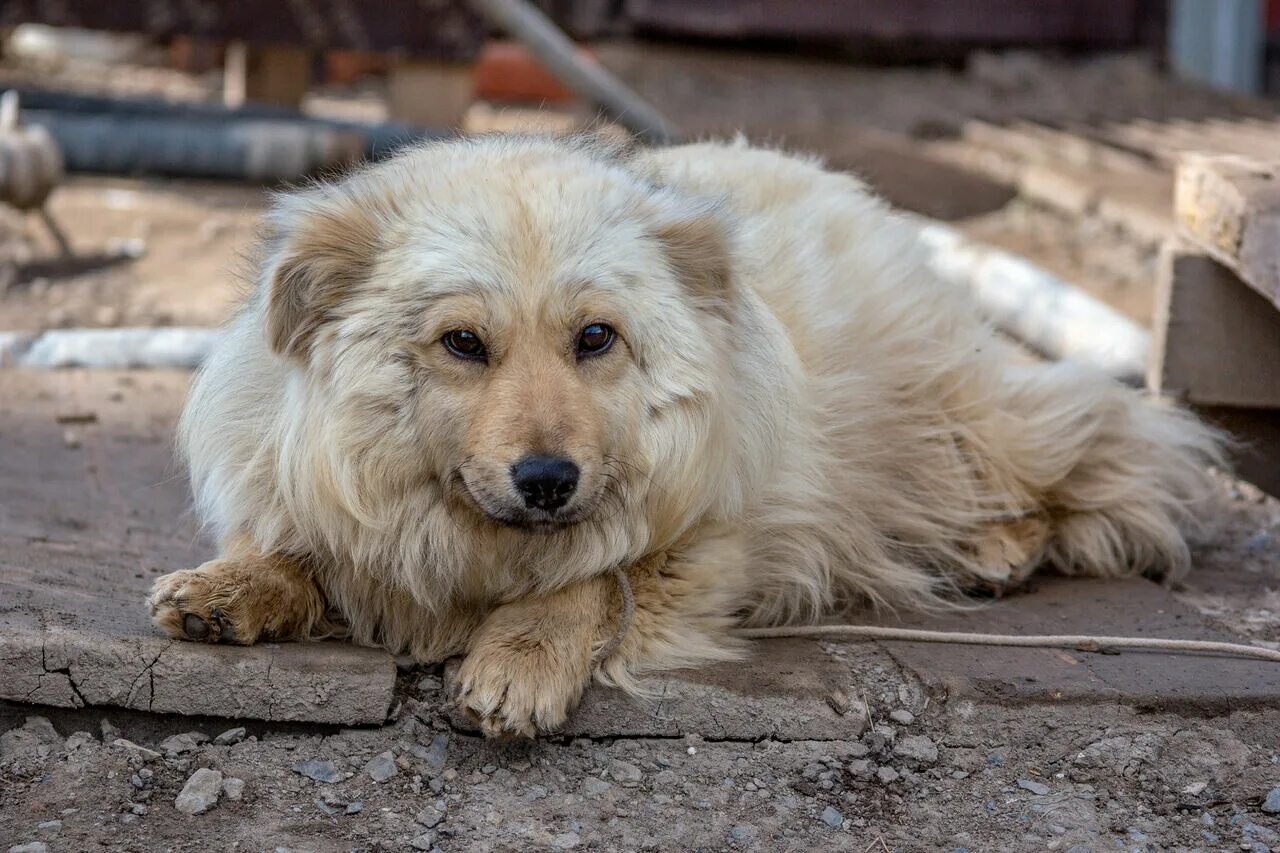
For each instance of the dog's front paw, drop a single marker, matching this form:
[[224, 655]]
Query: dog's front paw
[[205, 604], [519, 687]]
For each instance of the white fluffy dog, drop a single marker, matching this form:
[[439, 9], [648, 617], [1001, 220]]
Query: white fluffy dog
[[475, 380]]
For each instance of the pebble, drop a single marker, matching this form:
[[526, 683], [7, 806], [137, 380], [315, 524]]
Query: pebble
[[742, 833], [887, 775], [625, 773], [200, 793], [840, 701], [232, 788], [354, 808], [134, 749], [430, 817], [595, 787], [425, 841], [321, 771], [429, 683], [1037, 788], [30, 847], [917, 748], [382, 766], [230, 736], [1271, 805], [179, 744], [832, 818], [565, 841], [437, 754], [326, 808], [863, 770], [70, 438], [903, 716], [51, 825]]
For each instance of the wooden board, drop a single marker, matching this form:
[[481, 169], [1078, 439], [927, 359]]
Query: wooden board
[[1217, 342], [1230, 207], [1216, 345]]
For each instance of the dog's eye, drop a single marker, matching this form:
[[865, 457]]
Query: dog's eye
[[464, 343], [595, 339]]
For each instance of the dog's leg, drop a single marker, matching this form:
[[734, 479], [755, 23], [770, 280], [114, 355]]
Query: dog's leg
[[531, 659], [242, 597]]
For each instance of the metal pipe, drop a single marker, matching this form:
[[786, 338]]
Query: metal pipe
[[559, 55]]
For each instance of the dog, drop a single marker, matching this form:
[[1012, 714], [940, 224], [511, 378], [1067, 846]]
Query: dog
[[474, 382]]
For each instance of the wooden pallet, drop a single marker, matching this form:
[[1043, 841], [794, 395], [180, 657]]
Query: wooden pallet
[[1120, 172], [1217, 335]]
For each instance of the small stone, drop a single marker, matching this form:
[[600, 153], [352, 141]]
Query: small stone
[[183, 743], [832, 818], [903, 716], [49, 825], [565, 841], [917, 749], [886, 775], [1037, 788], [382, 766], [1271, 805], [863, 770], [430, 817], [326, 808], [742, 833], [138, 809], [77, 740], [230, 736], [321, 771], [30, 847], [232, 788], [595, 787], [134, 749], [624, 773], [425, 841], [354, 808], [840, 701], [200, 793], [1195, 788], [429, 683], [437, 754], [70, 438]]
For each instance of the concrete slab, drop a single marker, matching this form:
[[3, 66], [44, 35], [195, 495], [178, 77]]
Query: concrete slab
[[92, 508], [780, 693], [1150, 680]]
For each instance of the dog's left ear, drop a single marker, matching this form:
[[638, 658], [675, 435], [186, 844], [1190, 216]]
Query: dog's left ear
[[324, 247], [696, 241]]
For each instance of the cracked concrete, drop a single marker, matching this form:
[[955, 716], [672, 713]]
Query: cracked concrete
[[84, 530]]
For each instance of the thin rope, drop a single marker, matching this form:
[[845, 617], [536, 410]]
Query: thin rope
[[628, 616], [1079, 642]]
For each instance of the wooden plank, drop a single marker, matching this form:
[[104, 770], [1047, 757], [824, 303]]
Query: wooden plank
[[1230, 207], [428, 92], [1073, 174], [265, 74], [1216, 346], [1217, 342]]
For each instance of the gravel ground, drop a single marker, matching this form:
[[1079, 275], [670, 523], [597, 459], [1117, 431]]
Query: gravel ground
[[926, 776]]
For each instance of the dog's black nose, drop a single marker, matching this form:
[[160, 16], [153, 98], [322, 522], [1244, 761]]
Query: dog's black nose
[[545, 482]]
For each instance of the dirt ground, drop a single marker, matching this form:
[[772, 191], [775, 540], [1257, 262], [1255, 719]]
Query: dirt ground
[[928, 773]]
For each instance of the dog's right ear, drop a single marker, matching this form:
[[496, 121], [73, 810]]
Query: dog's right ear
[[323, 245]]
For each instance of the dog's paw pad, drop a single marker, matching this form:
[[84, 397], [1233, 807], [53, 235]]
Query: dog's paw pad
[[183, 605]]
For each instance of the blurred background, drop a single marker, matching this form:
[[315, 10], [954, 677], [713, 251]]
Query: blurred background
[[1044, 138]]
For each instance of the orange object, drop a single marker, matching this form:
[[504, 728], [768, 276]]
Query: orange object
[[507, 72]]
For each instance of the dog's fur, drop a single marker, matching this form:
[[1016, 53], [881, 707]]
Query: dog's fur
[[796, 416]]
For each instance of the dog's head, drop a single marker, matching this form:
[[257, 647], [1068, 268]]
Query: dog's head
[[530, 327]]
